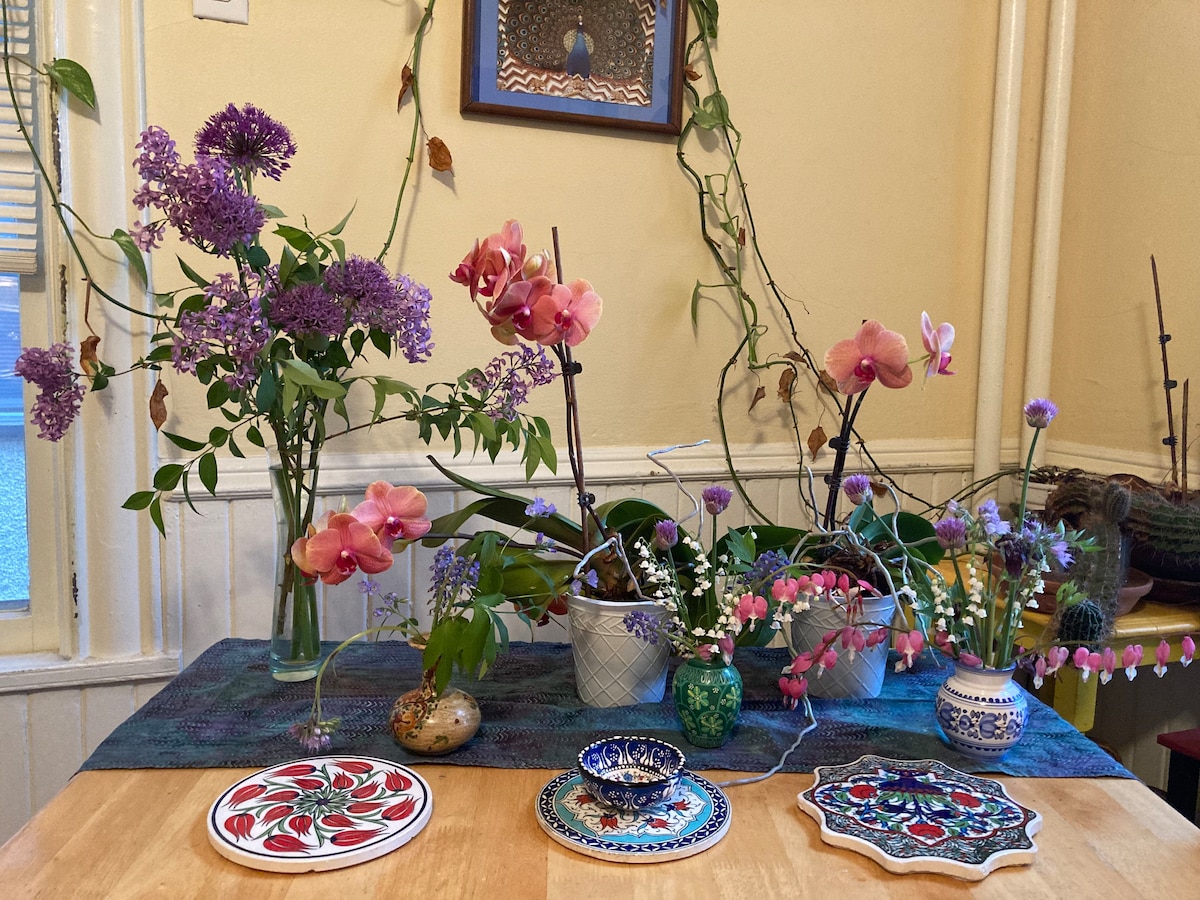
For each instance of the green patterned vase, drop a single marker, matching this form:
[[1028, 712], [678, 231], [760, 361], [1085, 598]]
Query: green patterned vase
[[708, 698]]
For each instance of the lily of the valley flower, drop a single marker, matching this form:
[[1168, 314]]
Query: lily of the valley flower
[[393, 513], [337, 546], [874, 353]]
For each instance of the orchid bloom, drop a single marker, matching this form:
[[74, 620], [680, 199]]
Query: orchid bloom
[[909, 646], [393, 513], [750, 608], [1161, 654], [572, 315], [337, 546], [873, 353], [512, 314], [492, 264], [937, 343], [1189, 650], [1131, 659]]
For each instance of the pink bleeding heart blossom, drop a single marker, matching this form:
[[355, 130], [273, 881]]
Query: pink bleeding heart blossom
[[1188, 648], [792, 689], [750, 608], [874, 353], [1161, 654], [1039, 672], [1108, 664], [801, 663], [909, 646], [970, 659], [393, 513], [1083, 661], [337, 546], [937, 343], [1131, 658], [1056, 658]]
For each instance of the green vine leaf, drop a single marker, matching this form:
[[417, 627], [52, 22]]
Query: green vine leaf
[[132, 253], [74, 79]]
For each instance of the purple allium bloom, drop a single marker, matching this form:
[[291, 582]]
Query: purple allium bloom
[[307, 309], [642, 625], [951, 533], [398, 307], [247, 138], [857, 488], [506, 382], [1040, 413], [231, 328], [314, 736], [540, 508], [666, 535], [453, 575], [60, 390], [716, 499], [989, 517]]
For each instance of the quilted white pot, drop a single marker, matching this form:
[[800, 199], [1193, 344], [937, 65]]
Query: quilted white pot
[[612, 666]]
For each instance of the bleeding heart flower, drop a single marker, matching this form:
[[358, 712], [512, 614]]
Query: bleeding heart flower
[[1188, 647], [873, 353], [1161, 654], [750, 608], [1056, 658], [1131, 658], [1108, 664], [393, 513], [909, 646]]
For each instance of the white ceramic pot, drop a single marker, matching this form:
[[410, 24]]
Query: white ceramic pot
[[861, 677], [612, 666], [981, 711]]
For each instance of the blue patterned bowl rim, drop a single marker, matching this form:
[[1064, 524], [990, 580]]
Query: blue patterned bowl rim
[[678, 760]]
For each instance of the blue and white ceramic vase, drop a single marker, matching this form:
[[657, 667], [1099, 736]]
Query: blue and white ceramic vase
[[982, 712]]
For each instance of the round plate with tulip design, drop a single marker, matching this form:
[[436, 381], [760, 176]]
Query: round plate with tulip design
[[321, 813], [694, 819], [921, 816]]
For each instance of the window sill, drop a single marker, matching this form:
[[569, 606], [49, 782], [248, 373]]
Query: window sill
[[48, 671]]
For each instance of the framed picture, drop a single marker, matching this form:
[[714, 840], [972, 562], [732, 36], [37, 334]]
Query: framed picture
[[616, 63]]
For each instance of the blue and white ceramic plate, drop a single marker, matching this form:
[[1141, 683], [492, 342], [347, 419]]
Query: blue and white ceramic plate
[[691, 821], [920, 815]]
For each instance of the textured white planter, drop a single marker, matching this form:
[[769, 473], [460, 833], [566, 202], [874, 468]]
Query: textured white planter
[[612, 666], [861, 677]]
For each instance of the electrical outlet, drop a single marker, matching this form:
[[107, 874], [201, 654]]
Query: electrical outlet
[[236, 11]]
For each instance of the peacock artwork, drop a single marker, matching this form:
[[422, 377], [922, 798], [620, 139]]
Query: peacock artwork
[[598, 50]]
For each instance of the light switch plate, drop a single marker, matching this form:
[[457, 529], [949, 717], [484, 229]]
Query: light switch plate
[[236, 11]]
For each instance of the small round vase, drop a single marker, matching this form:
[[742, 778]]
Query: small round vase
[[429, 725], [981, 711], [708, 698]]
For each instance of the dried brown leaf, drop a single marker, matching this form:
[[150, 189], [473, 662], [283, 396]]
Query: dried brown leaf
[[439, 155], [879, 490], [816, 440], [795, 356], [88, 359], [741, 237], [158, 409], [827, 381], [758, 395], [786, 380], [406, 77], [690, 73]]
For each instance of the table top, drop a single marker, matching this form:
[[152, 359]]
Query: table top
[[139, 832]]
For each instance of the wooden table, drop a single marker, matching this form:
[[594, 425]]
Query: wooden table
[[141, 833]]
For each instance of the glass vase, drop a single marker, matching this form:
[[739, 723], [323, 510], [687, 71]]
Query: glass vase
[[295, 629], [708, 698]]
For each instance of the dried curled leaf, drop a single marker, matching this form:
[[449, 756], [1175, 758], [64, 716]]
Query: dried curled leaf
[[406, 77], [758, 395], [439, 155], [827, 381], [786, 380], [690, 73], [88, 359], [795, 356], [158, 409], [816, 440]]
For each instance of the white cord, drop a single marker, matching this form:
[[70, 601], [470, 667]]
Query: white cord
[[779, 765]]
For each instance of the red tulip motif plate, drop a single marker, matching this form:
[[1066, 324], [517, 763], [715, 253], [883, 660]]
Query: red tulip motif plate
[[320, 813], [921, 816]]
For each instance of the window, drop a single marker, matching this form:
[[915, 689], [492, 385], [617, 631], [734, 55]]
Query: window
[[14, 541]]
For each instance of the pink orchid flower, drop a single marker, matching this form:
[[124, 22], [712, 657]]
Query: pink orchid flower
[[873, 353], [492, 264], [339, 545], [937, 343], [1188, 647], [750, 608], [513, 313], [1131, 659], [571, 317], [1108, 664], [1161, 654], [393, 513], [909, 646]]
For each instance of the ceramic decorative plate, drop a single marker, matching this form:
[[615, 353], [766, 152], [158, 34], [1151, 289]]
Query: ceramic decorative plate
[[693, 820], [321, 813], [921, 816]]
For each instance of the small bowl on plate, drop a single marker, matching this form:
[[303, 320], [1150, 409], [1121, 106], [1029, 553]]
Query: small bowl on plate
[[631, 773]]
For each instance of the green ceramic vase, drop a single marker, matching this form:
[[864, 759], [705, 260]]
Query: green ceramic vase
[[708, 698]]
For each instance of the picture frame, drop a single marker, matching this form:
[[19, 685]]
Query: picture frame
[[610, 63]]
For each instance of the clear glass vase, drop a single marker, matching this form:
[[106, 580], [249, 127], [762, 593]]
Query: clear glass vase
[[295, 628]]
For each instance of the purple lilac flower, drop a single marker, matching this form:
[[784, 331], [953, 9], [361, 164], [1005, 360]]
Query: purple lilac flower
[[768, 567], [951, 533], [989, 517], [508, 379], [716, 499], [398, 307], [642, 625], [307, 309], [60, 389], [540, 508], [231, 327], [666, 535], [453, 575], [247, 138], [1040, 413], [857, 488]]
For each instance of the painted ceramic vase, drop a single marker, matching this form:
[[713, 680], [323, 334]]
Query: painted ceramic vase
[[981, 711], [612, 666], [708, 698], [431, 725]]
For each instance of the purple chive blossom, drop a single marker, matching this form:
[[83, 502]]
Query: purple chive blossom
[[666, 535], [951, 533], [989, 517], [857, 488], [60, 389], [453, 575], [642, 625], [398, 307], [540, 508], [1040, 413], [716, 499], [247, 138], [314, 735], [231, 328], [307, 309], [506, 382]]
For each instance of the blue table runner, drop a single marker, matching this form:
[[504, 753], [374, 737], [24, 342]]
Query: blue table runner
[[225, 710]]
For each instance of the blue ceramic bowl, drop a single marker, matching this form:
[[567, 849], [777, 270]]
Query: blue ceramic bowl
[[631, 772]]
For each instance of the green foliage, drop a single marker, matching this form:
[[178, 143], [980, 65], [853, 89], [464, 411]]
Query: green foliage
[[74, 79]]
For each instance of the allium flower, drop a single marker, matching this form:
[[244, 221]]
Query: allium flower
[[398, 307], [247, 138], [60, 388], [873, 353], [951, 533], [314, 735], [1040, 413], [716, 499], [666, 535], [937, 343], [857, 488], [307, 309]]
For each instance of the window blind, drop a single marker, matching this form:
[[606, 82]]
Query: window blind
[[18, 177]]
